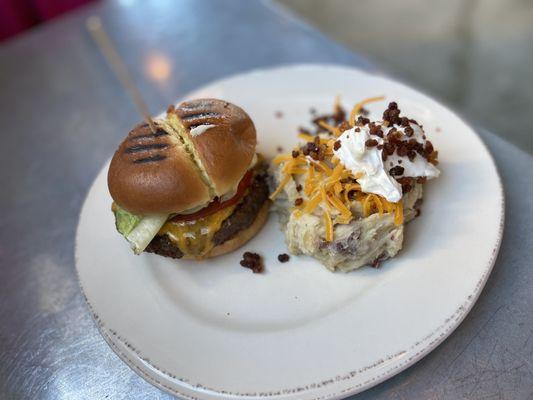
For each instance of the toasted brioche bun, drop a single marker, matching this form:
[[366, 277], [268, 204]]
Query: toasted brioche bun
[[182, 167], [241, 238]]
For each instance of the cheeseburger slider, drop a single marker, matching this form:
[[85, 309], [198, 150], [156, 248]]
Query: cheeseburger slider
[[194, 188]]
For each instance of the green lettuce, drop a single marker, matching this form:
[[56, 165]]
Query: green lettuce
[[138, 230], [125, 221]]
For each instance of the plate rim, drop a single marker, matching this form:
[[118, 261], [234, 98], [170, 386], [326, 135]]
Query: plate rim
[[441, 333]]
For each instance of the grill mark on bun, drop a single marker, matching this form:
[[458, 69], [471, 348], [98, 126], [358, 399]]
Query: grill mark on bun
[[196, 105], [148, 147], [156, 158], [192, 126], [158, 133], [145, 147], [200, 116]]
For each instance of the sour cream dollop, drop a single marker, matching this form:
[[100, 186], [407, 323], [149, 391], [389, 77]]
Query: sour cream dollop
[[367, 161]]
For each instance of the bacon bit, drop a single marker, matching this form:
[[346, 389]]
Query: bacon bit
[[375, 130], [283, 258], [344, 126], [428, 149], [396, 171], [362, 120], [252, 261], [392, 114], [402, 150], [433, 158]]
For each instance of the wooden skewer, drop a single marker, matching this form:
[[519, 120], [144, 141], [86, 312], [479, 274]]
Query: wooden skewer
[[94, 25]]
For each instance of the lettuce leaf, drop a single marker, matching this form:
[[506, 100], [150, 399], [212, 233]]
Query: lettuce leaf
[[138, 230], [145, 231], [125, 221]]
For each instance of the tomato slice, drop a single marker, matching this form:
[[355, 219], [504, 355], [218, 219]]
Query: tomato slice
[[216, 205]]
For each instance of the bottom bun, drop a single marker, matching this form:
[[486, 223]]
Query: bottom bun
[[240, 239]]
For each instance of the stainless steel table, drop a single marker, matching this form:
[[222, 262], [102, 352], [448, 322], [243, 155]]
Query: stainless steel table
[[61, 115]]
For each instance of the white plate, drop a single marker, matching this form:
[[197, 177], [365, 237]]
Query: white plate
[[213, 329]]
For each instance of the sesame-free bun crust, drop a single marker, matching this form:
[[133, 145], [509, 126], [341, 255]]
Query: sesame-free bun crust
[[241, 238], [154, 174], [225, 150], [201, 149]]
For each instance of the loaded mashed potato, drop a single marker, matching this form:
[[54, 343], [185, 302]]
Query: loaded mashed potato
[[345, 195]]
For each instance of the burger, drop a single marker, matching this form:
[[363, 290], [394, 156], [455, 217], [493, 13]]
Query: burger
[[191, 186]]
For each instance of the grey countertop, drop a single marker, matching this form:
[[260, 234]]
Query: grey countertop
[[62, 114]]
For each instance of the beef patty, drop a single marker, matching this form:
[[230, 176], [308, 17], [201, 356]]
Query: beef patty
[[242, 217]]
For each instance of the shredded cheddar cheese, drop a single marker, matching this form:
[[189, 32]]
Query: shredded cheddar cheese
[[331, 129], [357, 108], [324, 196], [329, 226], [328, 184], [337, 188], [312, 204], [379, 204], [280, 187], [398, 213], [281, 158], [306, 137], [367, 206], [323, 166], [341, 208]]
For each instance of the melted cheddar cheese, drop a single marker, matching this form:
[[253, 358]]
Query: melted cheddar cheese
[[195, 238]]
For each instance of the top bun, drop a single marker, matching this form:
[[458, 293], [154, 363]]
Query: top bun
[[200, 150]]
